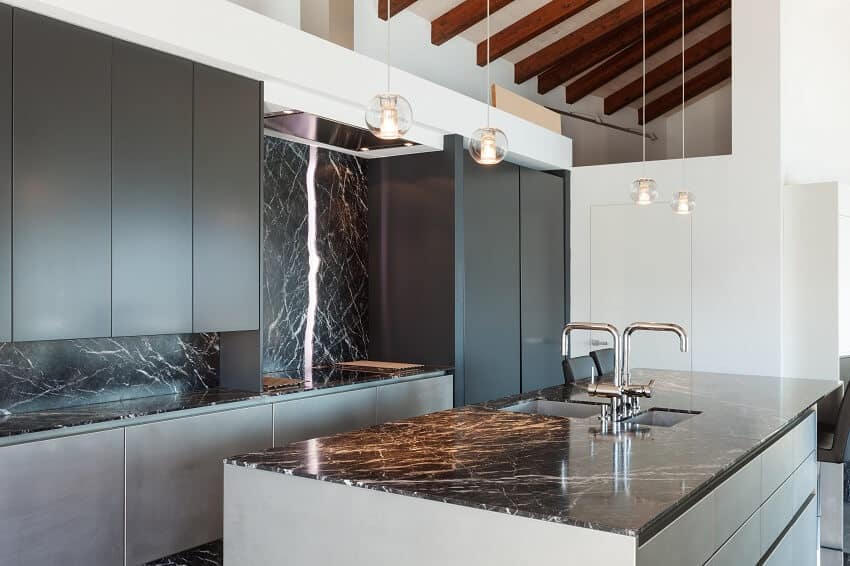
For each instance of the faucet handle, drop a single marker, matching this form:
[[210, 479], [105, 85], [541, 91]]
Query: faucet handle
[[638, 390]]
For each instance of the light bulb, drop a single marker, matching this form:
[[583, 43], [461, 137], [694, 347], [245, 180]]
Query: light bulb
[[683, 202], [644, 191], [488, 146], [389, 116]]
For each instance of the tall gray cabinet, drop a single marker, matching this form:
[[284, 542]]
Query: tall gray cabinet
[[61, 180], [5, 173], [489, 246], [151, 192]]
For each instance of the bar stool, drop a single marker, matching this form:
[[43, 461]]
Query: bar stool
[[833, 434], [578, 369], [604, 360]]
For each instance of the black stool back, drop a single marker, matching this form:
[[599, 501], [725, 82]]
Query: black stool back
[[604, 360], [578, 369]]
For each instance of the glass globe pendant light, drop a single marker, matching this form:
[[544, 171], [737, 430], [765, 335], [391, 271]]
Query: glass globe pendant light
[[644, 190], [488, 145], [683, 202], [388, 115]]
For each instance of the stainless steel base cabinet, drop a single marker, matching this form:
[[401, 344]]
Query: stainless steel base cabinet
[[175, 478], [413, 398], [312, 417], [62, 501]]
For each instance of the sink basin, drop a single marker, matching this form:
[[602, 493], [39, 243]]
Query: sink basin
[[662, 417], [555, 408]]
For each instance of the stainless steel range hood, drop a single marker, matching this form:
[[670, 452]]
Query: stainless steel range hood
[[312, 129]]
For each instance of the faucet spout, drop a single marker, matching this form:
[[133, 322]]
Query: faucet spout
[[651, 327], [598, 326]]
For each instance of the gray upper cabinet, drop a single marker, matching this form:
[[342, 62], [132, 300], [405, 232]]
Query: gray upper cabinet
[[5, 173], [227, 158], [492, 302], [61, 179], [542, 286], [151, 192]]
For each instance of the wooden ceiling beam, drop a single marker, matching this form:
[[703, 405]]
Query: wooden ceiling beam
[[461, 18], [659, 38], [670, 69], [693, 88], [604, 26], [540, 20], [395, 7], [593, 53]]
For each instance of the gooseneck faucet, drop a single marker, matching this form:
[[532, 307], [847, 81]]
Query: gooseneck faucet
[[613, 393], [650, 327], [599, 326]]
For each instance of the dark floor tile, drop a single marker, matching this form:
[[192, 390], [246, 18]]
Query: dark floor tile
[[206, 555]]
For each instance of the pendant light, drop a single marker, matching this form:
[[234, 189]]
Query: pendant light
[[488, 146], [388, 115], [644, 190], [683, 202]]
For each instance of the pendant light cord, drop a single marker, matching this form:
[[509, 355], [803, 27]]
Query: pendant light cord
[[489, 90], [388, 45], [683, 91]]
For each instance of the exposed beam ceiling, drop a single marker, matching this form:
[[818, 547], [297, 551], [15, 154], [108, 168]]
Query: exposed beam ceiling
[[542, 19], [396, 6], [693, 88], [600, 28], [669, 32], [670, 69], [593, 53], [462, 17]]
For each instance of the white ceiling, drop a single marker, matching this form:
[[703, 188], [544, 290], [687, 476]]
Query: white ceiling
[[514, 11]]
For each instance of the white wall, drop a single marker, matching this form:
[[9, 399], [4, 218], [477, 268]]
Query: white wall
[[284, 11], [810, 292], [736, 261], [815, 91], [453, 65]]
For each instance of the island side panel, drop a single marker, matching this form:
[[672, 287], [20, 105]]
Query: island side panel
[[269, 517]]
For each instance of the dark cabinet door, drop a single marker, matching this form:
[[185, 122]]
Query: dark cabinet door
[[228, 135], [151, 192], [5, 173], [491, 289], [542, 277], [61, 180]]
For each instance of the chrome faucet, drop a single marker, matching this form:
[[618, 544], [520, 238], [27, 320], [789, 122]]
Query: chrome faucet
[[651, 327], [602, 390]]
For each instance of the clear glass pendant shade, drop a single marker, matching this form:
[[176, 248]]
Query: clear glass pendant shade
[[488, 146], [389, 116], [683, 202], [644, 191]]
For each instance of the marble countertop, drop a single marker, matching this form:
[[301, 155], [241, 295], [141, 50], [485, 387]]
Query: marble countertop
[[572, 471], [112, 412]]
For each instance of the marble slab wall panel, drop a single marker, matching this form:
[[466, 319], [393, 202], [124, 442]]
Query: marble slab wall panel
[[341, 327], [47, 375]]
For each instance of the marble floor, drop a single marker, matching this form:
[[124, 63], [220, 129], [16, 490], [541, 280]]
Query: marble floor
[[205, 555]]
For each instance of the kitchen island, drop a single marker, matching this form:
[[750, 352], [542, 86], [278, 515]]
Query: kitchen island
[[733, 481]]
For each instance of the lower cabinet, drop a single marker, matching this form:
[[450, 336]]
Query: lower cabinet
[[301, 419], [414, 398], [62, 501], [312, 417], [175, 478]]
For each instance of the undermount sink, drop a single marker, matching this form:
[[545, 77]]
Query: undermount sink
[[662, 417], [555, 408]]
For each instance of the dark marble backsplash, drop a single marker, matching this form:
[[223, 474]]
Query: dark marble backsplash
[[65, 373], [341, 317]]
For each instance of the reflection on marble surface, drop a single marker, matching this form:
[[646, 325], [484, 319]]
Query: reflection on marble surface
[[630, 480], [341, 327], [211, 554], [66, 373], [65, 417]]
